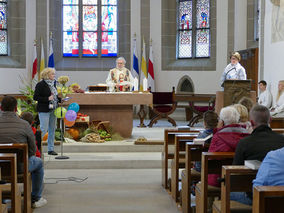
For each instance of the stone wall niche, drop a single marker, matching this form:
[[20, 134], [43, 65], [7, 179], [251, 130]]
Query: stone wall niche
[[185, 84]]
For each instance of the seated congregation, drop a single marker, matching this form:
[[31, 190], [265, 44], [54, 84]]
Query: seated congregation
[[19, 137], [212, 172]]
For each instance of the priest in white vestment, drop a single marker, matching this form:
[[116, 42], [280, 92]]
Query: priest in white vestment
[[120, 78]]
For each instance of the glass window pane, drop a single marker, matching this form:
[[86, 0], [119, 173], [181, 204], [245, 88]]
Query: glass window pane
[[90, 22], [185, 15], [90, 45], [109, 44], [70, 18], [185, 44], [106, 2], [70, 44], [70, 1], [3, 16], [202, 43], [3, 42], [109, 18], [90, 2], [202, 13]]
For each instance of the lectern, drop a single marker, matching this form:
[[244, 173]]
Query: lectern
[[234, 90]]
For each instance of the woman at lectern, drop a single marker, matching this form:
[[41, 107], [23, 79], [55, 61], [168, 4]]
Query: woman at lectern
[[234, 70], [120, 78], [278, 109]]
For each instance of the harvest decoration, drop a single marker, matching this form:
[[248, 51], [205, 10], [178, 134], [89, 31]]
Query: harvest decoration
[[63, 90]]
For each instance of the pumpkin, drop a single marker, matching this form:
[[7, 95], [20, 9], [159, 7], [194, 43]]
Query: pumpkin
[[45, 137], [74, 132]]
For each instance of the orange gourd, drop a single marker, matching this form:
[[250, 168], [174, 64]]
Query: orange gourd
[[45, 137], [74, 132]]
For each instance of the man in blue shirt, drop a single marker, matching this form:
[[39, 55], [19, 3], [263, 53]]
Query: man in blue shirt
[[271, 171]]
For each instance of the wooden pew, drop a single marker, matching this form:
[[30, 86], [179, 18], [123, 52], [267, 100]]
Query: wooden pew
[[179, 160], [169, 139], [193, 153], [3, 206], [12, 187], [22, 153], [211, 163], [234, 179], [268, 199]]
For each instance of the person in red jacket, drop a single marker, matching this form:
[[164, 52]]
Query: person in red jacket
[[226, 138], [27, 116]]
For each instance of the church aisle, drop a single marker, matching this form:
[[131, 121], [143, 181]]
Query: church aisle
[[105, 190]]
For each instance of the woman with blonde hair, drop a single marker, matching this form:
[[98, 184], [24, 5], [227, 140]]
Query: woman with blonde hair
[[47, 100], [278, 108], [242, 110]]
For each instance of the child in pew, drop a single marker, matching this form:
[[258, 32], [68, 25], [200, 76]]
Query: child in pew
[[210, 121], [27, 116]]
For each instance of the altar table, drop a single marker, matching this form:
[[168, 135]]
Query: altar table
[[116, 107]]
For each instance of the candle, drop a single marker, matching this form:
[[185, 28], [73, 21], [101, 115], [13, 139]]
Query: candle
[[135, 84], [145, 84]]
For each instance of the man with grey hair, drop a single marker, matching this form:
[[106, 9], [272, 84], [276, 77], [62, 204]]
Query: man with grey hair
[[120, 78], [226, 138]]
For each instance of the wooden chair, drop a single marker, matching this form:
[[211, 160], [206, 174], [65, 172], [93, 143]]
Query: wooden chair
[[193, 153], [179, 161], [169, 139], [12, 187], [268, 199], [199, 110], [163, 106], [234, 179], [22, 157], [211, 163]]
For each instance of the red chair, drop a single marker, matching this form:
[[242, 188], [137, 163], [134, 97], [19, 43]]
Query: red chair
[[163, 106], [199, 110]]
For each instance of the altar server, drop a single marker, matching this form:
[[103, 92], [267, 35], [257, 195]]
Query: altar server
[[265, 97]]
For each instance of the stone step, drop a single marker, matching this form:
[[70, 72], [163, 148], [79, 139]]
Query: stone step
[[109, 160], [115, 146]]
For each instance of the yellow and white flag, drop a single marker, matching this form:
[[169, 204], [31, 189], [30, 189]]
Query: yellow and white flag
[[144, 73], [42, 62]]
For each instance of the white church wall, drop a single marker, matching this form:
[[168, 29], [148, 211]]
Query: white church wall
[[273, 54], [240, 25], [204, 81]]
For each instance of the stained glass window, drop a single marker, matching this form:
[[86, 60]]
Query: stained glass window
[[193, 29], [93, 35], [3, 28]]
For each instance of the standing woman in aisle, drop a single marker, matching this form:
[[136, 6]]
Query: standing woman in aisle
[[47, 97], [234, 70]]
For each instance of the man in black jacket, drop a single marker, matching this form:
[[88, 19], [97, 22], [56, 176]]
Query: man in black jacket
[[256, 146], [262, 139]]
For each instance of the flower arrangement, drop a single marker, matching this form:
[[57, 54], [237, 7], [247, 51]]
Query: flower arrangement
[[63, 80], [63, 90]]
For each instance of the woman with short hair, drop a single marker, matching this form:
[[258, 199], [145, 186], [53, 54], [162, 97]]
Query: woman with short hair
[[47, 97], [234, 70]]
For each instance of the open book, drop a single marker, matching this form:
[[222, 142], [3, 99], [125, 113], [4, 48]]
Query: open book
[[253, 164], [201, 141]]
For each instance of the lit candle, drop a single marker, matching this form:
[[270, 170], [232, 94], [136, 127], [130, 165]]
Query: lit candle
[[135, 84], [145, 84]]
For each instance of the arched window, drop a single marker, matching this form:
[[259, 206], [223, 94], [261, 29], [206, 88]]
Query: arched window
[[89, 28], [193, 29], [3, 28]]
